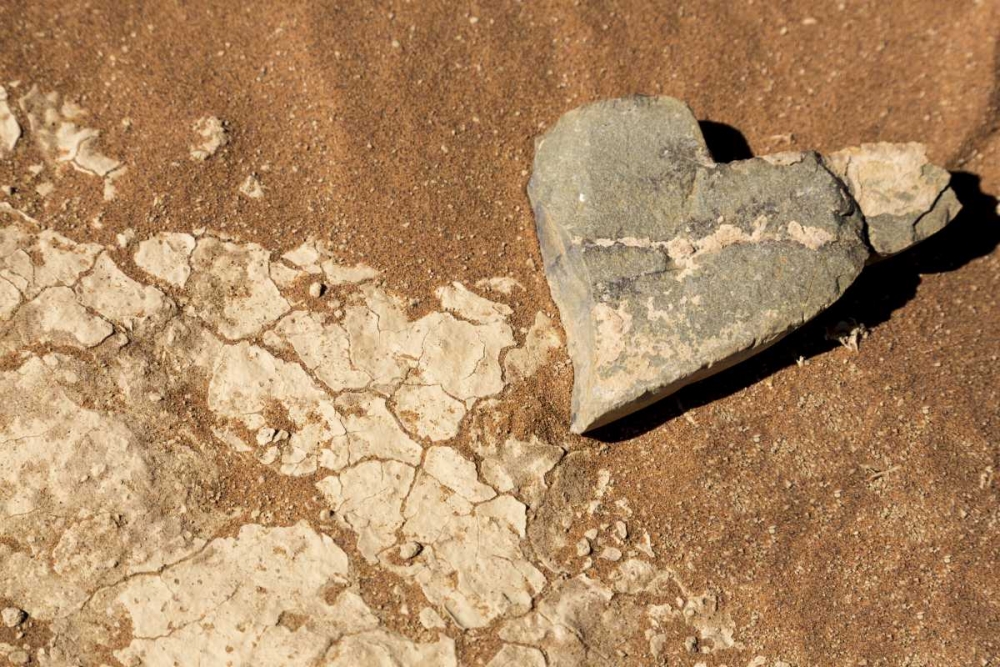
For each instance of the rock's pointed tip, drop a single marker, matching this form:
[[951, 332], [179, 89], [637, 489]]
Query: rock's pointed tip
[[587, 420]]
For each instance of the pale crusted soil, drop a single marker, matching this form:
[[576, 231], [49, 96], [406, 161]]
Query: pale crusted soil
[[357, 453]]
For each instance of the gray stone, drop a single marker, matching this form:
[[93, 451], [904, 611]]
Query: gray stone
[[667, 267]]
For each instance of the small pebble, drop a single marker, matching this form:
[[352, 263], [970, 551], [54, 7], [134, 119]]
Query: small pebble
[[621, 530], [13, 617], [410, 550], [611, 553]]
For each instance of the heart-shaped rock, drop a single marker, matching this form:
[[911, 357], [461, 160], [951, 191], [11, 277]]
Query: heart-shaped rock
[[667, 267]]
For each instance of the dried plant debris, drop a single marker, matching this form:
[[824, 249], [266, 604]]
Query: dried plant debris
[[136, 379], [668, 267]]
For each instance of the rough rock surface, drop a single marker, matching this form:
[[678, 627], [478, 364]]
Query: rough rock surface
[[668, 267], [903, 198]]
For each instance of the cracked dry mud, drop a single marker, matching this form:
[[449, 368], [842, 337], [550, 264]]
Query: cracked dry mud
[[105, 535]]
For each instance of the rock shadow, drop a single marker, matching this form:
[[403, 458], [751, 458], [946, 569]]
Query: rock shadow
[[880, 290], [725, 142]]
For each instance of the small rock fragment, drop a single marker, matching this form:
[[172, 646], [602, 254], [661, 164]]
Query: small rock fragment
[[316, 290], [849, 334], [265, 435], [410, 550], [213, 135], [620, 531], [10, 130], [252, 188], [903, 197], [430, 619], [13, 617], [611, 553]]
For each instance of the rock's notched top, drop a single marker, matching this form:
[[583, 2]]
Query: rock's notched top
[[668, 267]]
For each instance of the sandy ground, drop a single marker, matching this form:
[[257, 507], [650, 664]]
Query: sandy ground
[[843, 505]]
